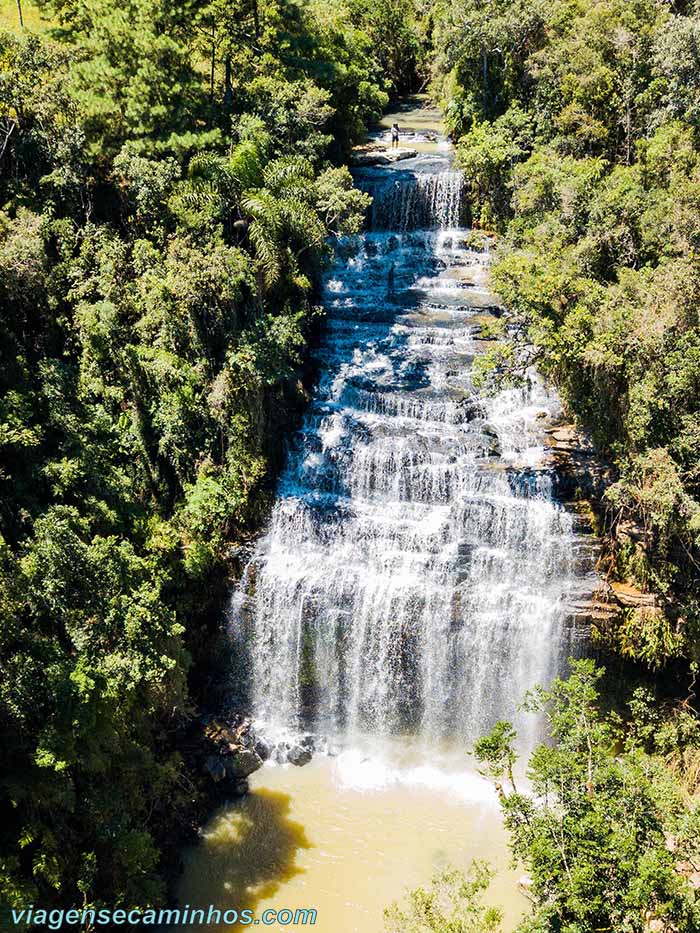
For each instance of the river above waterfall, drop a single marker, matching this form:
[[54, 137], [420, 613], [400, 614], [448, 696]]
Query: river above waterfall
[[410, 586]]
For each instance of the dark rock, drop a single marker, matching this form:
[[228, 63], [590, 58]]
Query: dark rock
[[263, 748], [214, 766], [241, 787], [220, 733], [628, 529], [249, 739], [492, 445], [465, 552], [309, 741], [469, 408], [241, 763], [280, 754], [299, 756]]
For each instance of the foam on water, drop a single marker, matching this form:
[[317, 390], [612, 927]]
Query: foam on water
[[356, 770]]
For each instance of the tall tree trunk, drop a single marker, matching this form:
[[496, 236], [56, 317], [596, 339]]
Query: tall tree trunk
[[256, 20], [213, 64], [228, 89], [19, 10]]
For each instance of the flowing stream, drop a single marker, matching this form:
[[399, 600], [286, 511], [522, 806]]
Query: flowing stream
[[411, 585]]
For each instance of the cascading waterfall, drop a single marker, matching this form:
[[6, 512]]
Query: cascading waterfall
[[404, 200], [415, 570]]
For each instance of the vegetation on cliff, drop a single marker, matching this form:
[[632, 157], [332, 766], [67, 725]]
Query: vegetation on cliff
[[578, 125], [168, 184]]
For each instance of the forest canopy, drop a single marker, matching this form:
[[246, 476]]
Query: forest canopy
[[578, 126], [171, 176]]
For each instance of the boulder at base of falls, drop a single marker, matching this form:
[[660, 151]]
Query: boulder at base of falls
[[298, 755], [216, 769], [263, 748], [229, 751], [241, 762]]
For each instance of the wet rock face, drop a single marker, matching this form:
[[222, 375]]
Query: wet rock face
[[263, 749], [298, 755], [578, 472], [280, 753], [216, 769], [241, 763], [232, 754], [580, 478]]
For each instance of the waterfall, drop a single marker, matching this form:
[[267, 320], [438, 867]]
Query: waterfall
[[405, 200], [415, 569]]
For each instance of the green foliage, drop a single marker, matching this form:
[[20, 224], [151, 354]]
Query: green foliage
[[392, 30], [481, 54], [593, 829], [167, 202], [495, 751], [578, 132], [452, 904], [486, 152]]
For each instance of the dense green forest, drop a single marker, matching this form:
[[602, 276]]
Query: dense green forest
[[579, 125], [171, 176]]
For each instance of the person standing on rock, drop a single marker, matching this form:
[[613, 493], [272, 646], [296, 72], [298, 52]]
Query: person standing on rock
[[395, 132]]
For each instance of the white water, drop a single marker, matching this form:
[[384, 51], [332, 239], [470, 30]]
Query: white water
[[415, 570]]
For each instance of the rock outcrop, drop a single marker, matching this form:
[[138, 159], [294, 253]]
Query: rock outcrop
[[629, 597], [373, 154], [298, 755], [232, 754], [581, 479]]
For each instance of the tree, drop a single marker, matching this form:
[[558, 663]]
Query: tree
[[452, 904], [592, 829]]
